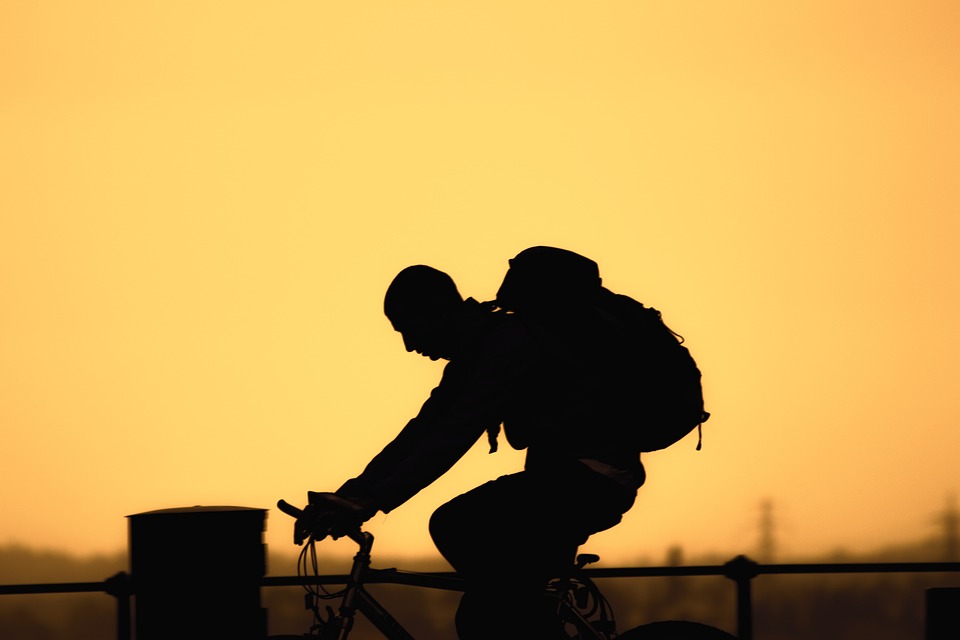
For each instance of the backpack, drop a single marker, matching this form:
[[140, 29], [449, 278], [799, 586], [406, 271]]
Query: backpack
[[633, 367]]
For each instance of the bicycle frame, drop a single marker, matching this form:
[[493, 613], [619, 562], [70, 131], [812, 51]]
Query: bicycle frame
[[355, 597], [573, 593]]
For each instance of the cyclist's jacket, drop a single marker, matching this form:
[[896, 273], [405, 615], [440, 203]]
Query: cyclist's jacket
[[498, 375]]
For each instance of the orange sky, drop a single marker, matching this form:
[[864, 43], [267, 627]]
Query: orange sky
[[201, 206]]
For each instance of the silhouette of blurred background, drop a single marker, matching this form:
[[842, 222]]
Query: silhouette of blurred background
[[883, 606], [203, 205]]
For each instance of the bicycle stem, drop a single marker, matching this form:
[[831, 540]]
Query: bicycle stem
[[361, 563]]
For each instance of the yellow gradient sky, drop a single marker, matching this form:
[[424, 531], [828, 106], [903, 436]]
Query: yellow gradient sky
[[201, 205]]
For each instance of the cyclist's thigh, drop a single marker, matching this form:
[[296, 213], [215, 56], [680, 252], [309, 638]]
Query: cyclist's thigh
[[504, 521]]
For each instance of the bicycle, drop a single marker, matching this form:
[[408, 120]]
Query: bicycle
[[580, 606]]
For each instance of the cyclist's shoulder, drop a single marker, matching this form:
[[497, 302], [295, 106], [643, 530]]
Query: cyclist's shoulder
[[510, 331], [485, 321], [492, 335]]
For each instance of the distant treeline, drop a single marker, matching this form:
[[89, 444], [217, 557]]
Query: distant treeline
[[876, 606]]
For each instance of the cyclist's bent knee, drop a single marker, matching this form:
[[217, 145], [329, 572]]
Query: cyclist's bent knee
[[444, 523]]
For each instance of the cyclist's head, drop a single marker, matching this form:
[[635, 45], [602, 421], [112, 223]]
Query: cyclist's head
[[422, 303]]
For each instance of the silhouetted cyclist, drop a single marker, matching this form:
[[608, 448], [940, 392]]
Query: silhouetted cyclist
[[509, 536]]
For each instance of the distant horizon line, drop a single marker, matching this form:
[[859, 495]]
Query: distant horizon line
[[929, 545]]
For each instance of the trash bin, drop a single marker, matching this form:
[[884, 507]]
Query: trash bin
[[197, 572], [943, 614]]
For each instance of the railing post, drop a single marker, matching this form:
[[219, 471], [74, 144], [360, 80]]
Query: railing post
[[743, 570], [119, 587]]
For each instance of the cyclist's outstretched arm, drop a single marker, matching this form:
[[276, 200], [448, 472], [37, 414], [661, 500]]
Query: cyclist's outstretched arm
[[470, 398]]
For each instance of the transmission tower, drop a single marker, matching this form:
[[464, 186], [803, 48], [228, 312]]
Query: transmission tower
[[949, 520], [768, 545]]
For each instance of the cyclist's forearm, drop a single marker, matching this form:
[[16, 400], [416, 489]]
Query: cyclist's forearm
[[384, 463], [449, 436], [419, 471], [455, 416]]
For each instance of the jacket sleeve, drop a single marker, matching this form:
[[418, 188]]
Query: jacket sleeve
[[468, 400]]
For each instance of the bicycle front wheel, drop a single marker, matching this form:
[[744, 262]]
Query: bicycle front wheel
[[675, 630]]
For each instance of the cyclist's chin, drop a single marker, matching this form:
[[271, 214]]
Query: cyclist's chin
[[430, 354]]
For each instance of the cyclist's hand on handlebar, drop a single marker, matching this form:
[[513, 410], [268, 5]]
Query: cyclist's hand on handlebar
[[328, 514], [309, 522], [346, 514]]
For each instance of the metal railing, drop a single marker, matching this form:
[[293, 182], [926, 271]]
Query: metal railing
[[741, 570], [119, 586]]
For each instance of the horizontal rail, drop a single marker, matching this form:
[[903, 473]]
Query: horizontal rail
[[860, 567], [740, 570], [450, 580], [63, 587], [120, 586]]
